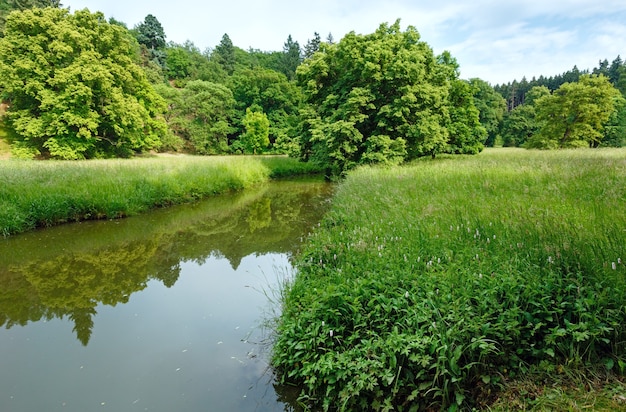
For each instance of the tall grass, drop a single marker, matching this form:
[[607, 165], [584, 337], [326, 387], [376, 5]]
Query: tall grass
[[45, 193], [431, 285]]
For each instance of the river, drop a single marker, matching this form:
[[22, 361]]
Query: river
[[167, 311]]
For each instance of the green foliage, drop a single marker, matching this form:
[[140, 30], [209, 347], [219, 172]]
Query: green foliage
[[427, 287], [387, 87], [290, 58], [8, 6], [466, 133], [150, 33], [200, 114], [615, 128], [270, 91], [312, 45], [575, 114], [74, 88], [185, 62], [256, 138], [224, 54], [491, 107]]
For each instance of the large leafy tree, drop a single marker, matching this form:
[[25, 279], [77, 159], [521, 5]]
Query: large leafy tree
[[74, 88], [256, 137], [201, 114], [377, 98], [465, 133], [185, 62], [269, 91], [7, 6], [521, 123], [491, 107], [575, 114]]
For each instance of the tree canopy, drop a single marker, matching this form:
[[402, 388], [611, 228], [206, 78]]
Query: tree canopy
[[575, 114], [74, 87], [383, 98]]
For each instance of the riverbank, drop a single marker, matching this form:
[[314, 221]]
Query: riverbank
[[45, 193], [455, 282]]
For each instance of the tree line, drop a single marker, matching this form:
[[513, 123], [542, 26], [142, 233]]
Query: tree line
[[81, 86], [576, 108]]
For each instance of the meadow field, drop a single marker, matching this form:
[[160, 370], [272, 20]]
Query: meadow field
[[460, 282], [45, 193]]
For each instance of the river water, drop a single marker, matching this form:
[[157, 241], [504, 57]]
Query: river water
[[168, 311]]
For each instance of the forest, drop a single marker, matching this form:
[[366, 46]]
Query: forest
[[79, 86]]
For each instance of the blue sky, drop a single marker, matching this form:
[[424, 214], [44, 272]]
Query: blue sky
[[497, 41]]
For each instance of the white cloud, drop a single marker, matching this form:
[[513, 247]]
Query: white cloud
[[491, 39]]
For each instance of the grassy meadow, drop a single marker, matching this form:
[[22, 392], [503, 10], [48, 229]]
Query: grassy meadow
[[45, 193], [455, 282]]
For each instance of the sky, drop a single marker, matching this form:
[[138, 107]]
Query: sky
[[495, 40]]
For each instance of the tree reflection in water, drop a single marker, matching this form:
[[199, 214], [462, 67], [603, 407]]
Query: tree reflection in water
[[66, 272]]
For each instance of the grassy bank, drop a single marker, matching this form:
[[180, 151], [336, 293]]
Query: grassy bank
[[44, 193], [441, 283]]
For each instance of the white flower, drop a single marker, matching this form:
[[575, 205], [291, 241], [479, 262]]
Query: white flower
[[613, 266], [331, 333], [406, 294]]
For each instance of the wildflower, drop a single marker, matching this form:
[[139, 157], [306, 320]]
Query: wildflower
[[619, 261], [323, 323], [550, 259], [613, 266], [406, 294], [331, 333], [488, 241], [335, 256], [480, 275], [494, 237]]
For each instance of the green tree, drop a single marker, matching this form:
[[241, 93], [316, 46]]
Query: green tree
[[270, 91], [150, 33], [256, 137], [74, 87], [465, 133], [378, 98], [151, 36], [7, 6], [186, 62], [575, 114], [312, 45], [224, 54], [200, 114], [491, 107], [290, 59], [615, 129], [521, 123]]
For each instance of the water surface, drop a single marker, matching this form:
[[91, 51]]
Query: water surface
[[160, 312]]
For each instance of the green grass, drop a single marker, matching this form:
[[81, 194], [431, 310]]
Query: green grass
[[44, 193], [436, 285]]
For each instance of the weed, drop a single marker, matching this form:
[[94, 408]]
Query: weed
[[430, 285]]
